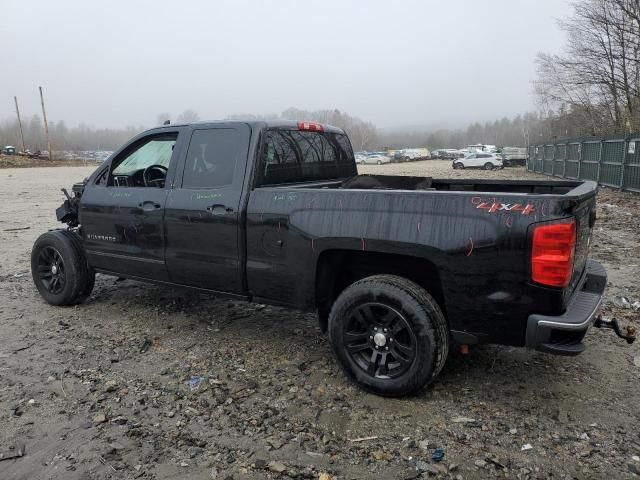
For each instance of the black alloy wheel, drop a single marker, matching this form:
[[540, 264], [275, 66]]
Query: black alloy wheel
[[379, 340], [51, 270]]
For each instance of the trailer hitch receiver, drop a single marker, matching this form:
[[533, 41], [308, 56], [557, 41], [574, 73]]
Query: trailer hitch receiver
[[613, 324]]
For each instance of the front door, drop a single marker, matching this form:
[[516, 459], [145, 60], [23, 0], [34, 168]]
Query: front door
[[122, 212], [202, 217]]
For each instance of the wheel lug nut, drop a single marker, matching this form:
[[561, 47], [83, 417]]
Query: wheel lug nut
[[391, 339], [386, 348], [375, 329], [385, 330], [370, 337]]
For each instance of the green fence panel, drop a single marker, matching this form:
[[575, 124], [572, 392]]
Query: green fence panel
[[632, 166], [614, 162], [531, 158], [537, 158], [589, 161], [573, 151], [558, 162], [611, 163]]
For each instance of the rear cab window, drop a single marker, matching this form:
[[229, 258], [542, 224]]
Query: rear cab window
[[291, 156]]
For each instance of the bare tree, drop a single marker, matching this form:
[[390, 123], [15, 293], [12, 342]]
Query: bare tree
[[188, 116], [597, 79]]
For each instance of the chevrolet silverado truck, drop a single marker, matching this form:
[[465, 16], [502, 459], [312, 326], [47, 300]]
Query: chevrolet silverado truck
[[399, 269]]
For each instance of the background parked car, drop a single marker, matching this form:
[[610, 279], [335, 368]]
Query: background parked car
[[411, 154], [514, 156], [374, 158], [9, 150], [486, 161], [360, 157]]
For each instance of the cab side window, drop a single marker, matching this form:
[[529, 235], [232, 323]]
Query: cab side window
[[211, 158], [145, 164]]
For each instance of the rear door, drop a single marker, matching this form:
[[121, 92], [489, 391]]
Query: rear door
[[122, 211], [482, 158], [203, 212], [470, 160]]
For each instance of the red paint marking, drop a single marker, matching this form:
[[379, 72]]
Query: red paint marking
[[470, 245], [545, 209], [508, 221], [363, 245]]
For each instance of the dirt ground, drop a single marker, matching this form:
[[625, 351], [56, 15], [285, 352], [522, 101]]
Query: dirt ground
[[17, 161], [147, 382]]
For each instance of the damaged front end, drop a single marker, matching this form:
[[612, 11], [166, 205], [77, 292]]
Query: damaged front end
[[68, 211]]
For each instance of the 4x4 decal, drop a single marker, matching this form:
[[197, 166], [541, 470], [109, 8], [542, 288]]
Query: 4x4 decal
[[494, 206]]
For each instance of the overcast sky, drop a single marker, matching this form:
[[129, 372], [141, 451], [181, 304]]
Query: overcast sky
[[395, 63]]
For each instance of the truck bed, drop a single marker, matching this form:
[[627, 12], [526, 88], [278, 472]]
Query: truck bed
[[396, 182]]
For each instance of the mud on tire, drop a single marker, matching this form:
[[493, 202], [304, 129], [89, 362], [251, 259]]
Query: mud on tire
[[389, 335]]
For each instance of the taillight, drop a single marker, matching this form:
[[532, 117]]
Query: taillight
[[310, 126], [552, 253]]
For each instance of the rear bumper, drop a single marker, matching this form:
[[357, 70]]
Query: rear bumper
[[563, 334]]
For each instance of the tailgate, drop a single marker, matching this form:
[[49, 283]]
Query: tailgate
[[585, 214]]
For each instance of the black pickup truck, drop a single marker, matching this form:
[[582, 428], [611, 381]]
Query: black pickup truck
[[399, 269]]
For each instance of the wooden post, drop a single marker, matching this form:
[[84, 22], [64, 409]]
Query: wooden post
[[46, 125], [15, 99]]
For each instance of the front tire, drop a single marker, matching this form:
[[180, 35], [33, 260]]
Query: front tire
[[389, 335], [458, 166], [59, 268]]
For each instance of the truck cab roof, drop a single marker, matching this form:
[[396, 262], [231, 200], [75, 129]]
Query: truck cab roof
[[256, 124]]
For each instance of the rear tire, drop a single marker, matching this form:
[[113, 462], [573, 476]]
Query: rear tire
[[405, 324], [59, 268], [458, 166], [379, 162], [488, 166]]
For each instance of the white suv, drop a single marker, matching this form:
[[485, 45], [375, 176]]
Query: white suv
[[487, 161]]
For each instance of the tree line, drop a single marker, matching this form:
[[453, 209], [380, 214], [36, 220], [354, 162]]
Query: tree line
[[79, 138], [518, 131]]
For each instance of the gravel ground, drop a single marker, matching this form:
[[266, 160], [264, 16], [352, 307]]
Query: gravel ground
[[147, 382]]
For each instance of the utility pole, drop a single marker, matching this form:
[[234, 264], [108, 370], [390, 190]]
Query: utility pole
[[46, 125], [15, 99]]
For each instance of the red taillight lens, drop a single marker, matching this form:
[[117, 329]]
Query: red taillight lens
[[552, 253], [310, 126]]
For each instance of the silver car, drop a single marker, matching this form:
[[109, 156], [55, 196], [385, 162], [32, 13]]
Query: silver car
[[374, 159]]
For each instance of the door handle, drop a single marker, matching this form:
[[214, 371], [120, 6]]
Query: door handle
[[219, 209], [149, 205]]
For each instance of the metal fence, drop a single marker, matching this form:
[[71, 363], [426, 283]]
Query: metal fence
[[614, 162]]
